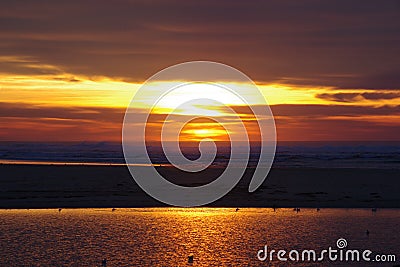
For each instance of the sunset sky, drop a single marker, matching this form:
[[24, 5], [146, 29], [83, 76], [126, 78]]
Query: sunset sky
[[329, 69]]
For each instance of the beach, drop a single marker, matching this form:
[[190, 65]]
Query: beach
[[84, 186]]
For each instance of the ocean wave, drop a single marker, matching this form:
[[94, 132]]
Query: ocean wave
[[366, 155]]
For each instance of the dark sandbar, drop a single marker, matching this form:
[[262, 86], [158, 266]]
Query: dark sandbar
[[46, 186]]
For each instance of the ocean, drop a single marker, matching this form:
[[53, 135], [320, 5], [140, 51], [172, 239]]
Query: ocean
[[378, 155]]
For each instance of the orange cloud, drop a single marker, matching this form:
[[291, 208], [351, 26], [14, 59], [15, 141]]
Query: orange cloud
[[24, 122]]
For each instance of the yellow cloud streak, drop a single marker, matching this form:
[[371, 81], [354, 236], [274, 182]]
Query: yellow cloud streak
[[60, 91], [72, 90]]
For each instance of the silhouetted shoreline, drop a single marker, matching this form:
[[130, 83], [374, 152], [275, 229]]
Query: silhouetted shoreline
[[55, 186]]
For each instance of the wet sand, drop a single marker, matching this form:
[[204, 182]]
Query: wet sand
[[47, 186]]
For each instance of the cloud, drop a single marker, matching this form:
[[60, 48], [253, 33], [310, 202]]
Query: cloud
[[26, 66], [341, 44], [378, 96], [337, 129], [383, 81], [28, 111], [24, 122], [354, 97], [314, 111]]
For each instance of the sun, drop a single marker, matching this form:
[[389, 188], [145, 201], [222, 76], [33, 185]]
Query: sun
[[204, 133], [202, 128]]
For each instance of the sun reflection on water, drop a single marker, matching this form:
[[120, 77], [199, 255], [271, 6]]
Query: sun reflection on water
[[166, 236]]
